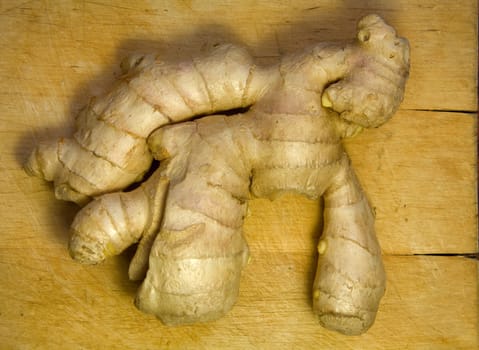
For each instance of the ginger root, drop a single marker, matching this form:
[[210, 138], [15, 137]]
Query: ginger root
[[188, 215], [108, 151]]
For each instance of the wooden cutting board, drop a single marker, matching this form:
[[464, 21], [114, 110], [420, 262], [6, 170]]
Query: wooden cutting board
[[419, 171]]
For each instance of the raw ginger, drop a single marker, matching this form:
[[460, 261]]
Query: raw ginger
[[109, 151], [188, 215]]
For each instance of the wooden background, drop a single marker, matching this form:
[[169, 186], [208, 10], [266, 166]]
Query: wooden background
[[419, 171]]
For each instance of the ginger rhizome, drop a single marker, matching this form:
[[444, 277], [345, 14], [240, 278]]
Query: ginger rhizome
[[109, 151], [188, 216]]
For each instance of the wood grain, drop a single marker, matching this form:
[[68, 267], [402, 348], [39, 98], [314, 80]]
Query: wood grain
[[419, 170], [424, 307]]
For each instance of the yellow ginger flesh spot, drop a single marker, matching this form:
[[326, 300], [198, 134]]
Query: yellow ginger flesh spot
[[322, 246], [326, 101]]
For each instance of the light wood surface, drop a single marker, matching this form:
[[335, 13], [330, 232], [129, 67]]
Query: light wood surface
[[419, 171]]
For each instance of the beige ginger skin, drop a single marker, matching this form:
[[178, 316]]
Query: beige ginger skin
[[188, 215]]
